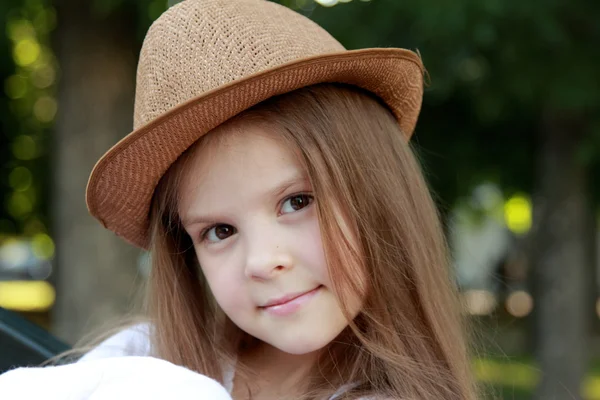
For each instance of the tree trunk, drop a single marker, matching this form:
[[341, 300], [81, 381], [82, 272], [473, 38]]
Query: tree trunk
[[95, 270], [562, 260]]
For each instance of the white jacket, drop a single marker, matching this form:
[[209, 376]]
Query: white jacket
[[116, 378], [119, 369]]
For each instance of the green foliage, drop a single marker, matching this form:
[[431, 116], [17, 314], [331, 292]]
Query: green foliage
[[507, 53], [143, 11], [28, 73], [495, 67]]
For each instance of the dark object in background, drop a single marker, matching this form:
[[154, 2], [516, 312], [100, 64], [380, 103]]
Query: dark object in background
[[23, 343]]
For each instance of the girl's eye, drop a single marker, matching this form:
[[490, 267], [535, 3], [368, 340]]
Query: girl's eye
[[295, 203], [218, 233]]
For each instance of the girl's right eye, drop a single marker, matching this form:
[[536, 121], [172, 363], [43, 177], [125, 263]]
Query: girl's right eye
[[218, 233]]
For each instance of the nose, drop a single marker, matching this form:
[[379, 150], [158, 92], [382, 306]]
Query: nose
[[267, 256]]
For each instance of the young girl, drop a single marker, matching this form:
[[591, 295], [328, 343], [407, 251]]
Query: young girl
[[296, 252]]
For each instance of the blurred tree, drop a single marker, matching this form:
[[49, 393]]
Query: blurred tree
[[7, 121], [514, 91], [27, 112], [97, 46]]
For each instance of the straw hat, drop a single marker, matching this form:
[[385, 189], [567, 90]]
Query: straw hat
[[203, 62]]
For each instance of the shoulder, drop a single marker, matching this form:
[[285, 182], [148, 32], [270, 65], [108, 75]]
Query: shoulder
[[132, 341]]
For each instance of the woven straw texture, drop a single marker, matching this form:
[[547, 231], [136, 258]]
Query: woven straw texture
[[203, 62]]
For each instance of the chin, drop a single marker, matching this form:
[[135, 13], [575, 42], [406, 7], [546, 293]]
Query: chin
[[300, 346]]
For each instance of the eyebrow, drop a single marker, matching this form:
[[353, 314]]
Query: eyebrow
[[276, 191], [281, 188]]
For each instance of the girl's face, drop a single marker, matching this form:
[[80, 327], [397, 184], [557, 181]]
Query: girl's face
[[248, 206]]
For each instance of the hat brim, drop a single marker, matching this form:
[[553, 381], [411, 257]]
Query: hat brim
[[121, 186]]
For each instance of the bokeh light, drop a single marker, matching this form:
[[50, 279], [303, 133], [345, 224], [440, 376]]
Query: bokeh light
[[519, 304], [15, 86], [45, 109], [13, 253], [43, 246], [26, 52], [331, 3], [19, 29], [517, 214], [327, 3], [19, 205], [24, 148], [43, 76], [20, 179], [26, 295], [479, 302]]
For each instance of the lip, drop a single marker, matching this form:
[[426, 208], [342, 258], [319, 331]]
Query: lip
[[290, 303]]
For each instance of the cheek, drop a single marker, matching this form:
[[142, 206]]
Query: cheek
[[225, 284], [350, 296], [311, 253]]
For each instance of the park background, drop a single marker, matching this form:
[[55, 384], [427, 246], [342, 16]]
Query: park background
[[509, 138]]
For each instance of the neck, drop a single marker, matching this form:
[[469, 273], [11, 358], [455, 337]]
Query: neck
[[278, 374]]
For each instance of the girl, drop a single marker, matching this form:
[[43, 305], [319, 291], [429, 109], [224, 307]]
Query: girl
[[296, 251]]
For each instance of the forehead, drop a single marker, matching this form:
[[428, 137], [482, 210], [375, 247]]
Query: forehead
[[246, 158]]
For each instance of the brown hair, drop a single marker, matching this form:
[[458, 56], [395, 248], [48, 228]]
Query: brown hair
[[376, 215]]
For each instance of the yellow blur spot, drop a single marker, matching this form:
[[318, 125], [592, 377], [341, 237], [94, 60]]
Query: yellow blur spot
[[517, 214], [26, 295], [26, 52], [45, 20], [15, 86], [42, 246], [45, 108], [525, 376], [19, 29], [43, 76], [33, 226], [19, 204], [516, 375], [24, 148], [591, 388], [20, 179]]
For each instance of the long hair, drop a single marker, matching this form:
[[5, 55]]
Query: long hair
[[376, 215]]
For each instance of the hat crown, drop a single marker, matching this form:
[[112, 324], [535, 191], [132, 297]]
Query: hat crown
[[200, 45]]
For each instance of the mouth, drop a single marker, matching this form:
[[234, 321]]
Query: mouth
[[290, 303]]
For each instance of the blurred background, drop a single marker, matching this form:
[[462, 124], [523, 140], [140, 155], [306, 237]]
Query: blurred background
[[509, 138]]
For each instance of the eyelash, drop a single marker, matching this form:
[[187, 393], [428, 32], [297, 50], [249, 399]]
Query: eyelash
[[205, 231]]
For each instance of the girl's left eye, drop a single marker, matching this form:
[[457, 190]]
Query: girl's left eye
[[296, 203]]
